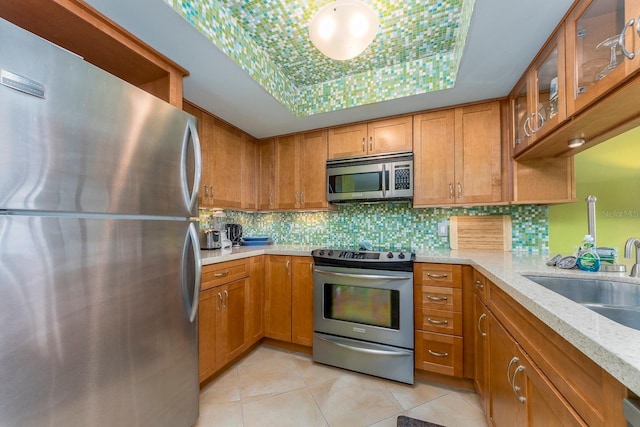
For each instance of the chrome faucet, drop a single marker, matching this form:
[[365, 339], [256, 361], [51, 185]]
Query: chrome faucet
[[635, 270]]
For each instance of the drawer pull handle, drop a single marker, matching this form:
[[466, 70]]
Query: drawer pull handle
[[437, 322], [223, 274], [437, 276], [479, 284], [429, 297], [436, 354]]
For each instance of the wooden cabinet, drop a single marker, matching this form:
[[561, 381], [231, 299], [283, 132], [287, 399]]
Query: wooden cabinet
[[526, 374], [458, 156], [524, 396], [266, 161], [438, 318], [205, 132], [229, 159], [288, 310], [222, 334], [302, 300], [79, 28], [377, 137], [249, 167], [545, 180], [538, 101], [254, 301], [300, 171], [480, 339], [595, 61]]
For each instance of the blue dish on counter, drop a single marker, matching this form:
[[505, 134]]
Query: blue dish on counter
[[260, 242], [256, 238]]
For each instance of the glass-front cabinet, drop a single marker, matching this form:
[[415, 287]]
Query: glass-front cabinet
[[538, 100], [603, 43]]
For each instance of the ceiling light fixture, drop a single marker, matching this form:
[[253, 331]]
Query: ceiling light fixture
[[576, 142], [343, 29]]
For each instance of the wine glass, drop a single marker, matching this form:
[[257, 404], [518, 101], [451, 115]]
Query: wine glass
[[612, 44]]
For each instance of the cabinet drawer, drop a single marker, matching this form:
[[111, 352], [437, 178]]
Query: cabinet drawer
[[217, 274], [437, 298], [438, 275], [439, 353], [480, 286], [442, 321]]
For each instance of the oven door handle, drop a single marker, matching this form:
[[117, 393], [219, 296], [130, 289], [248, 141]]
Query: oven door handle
[[362, 276], [394, 353]]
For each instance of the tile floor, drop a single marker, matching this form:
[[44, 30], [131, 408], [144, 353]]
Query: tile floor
[[276, 387]]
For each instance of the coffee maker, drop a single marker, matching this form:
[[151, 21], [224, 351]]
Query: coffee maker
[[234, 233]]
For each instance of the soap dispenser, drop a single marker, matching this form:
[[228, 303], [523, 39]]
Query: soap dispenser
[[588, 259]]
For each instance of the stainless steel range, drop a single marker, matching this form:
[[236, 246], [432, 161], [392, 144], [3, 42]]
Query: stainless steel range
[[363, 312]]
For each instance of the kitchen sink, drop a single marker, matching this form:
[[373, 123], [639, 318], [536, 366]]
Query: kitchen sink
[[618, 301], [627, 316]]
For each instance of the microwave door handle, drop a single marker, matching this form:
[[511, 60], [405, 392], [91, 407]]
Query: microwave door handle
[[384, 180]]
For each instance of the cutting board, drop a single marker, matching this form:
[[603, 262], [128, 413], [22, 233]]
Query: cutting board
[[490, 232]]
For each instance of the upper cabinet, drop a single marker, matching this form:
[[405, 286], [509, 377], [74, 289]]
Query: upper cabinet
[[458, 156], [79, 28], [229, 163], [599, 42], [602, 42], [378, 137], [300, 171], [538, 100], [266, 160]]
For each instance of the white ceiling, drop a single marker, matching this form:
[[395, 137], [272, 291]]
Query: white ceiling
[[503, 38]]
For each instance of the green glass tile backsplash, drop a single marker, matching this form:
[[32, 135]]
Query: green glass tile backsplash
[[386, 225]]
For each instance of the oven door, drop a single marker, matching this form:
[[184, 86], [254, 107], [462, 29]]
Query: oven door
[[368, 305]]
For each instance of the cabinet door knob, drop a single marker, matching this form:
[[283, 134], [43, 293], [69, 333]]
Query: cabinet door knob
[[450, 190], [363, 139], [459, 190], [226, 299], [370, 143], [219, 301]]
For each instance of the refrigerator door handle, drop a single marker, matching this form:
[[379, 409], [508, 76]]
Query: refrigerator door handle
[[195, 247], [191, 194]]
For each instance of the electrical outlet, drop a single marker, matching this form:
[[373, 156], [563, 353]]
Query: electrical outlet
[[443, 229]]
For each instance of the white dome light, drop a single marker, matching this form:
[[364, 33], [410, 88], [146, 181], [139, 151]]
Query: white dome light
[[343, 29]]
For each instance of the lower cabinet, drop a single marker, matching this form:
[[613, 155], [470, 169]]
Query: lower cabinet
[[221, 326], [528, 375], [288, 308], [229, 313], [520, 395], [438, 317]]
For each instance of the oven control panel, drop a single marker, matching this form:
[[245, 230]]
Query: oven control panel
[[363, 259]]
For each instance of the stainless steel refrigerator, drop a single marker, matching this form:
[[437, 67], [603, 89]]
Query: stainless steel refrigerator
[[99, 256]]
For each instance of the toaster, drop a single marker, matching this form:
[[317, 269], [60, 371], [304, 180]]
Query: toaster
[[210, 239]]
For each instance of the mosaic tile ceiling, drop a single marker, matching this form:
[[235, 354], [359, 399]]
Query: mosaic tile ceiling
[[417, 50]]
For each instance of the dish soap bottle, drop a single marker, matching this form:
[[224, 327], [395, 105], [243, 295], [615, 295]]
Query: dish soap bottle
[[588, 259]]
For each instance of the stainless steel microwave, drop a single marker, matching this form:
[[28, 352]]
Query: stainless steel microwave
[[370, 178]]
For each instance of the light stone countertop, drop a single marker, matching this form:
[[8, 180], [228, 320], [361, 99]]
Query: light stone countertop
[[614, 347]]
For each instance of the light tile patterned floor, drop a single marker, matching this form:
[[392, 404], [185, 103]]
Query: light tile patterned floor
[[275, 387]]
